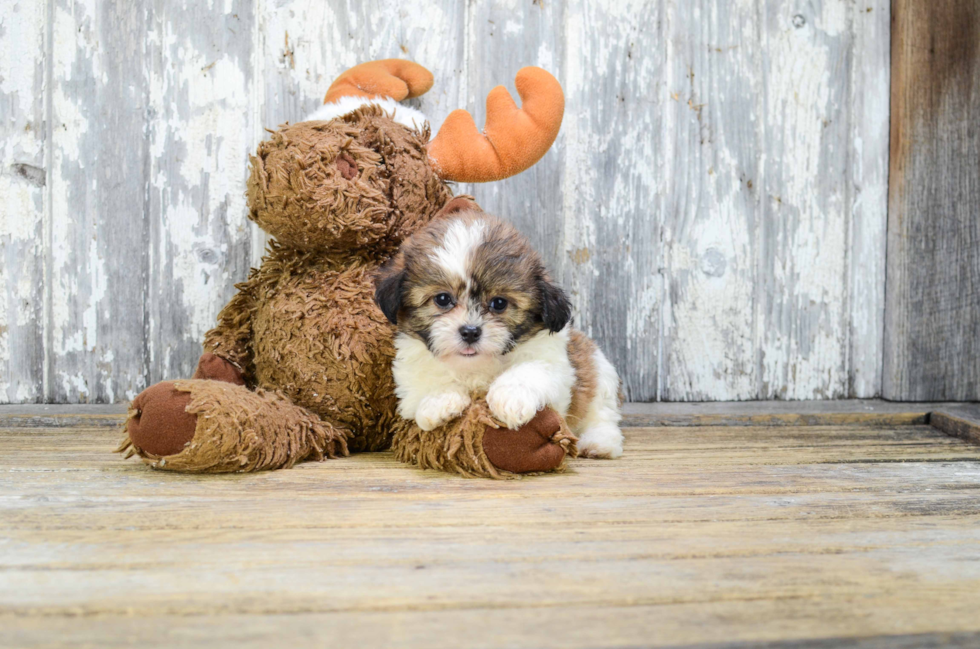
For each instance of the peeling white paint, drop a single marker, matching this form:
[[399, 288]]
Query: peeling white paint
[[75, 384], [214, 138], [578, 173], [97, 282], [715, 202], [803, 343], [70, 125], [17, 222], [868, 179], [22, 175], [198, 169], [712, 211], [512, 27]]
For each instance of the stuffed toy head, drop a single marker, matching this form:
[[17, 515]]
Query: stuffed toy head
[[362, 173]]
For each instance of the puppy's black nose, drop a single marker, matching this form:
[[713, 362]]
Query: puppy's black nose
[[470, 334]]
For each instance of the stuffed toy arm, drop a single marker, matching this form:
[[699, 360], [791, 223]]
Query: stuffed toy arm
[[228, 347]]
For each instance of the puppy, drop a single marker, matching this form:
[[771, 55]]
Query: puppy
[[477, 314]]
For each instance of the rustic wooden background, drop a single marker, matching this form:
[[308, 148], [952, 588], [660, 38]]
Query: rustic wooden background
[[716, 202], [932, 329]]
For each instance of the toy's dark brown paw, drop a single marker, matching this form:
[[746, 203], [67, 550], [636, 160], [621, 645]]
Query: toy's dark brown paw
[[217, 369], [160, 424], [530, 448]]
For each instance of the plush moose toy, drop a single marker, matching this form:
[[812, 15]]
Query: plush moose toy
[[298, 366]]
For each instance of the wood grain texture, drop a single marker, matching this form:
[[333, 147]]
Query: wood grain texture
[[96, 245], [802, 288], [867, 193], [200, 130], [23, 30], [697, 535], [613, 183], [712, 212], [774, 200], [840, 412], [503, 36], [962, 422], [932, 328], [714, 204], [304, 46]]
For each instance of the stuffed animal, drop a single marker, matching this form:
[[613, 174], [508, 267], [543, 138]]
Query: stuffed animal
[[299, 364]]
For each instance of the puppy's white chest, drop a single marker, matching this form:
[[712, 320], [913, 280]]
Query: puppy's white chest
[[475, 375]]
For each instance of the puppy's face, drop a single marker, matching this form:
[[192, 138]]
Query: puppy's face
[[469, 286]]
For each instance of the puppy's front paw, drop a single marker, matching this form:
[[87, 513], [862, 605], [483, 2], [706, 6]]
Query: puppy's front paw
[[514, 405], [601, 441], [437, 409]]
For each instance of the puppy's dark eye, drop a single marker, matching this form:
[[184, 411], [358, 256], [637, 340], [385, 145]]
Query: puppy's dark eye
[[443, 300], [498, 304]]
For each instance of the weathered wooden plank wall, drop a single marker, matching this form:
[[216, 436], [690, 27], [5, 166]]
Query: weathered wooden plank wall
[[932, 331], [22, 194], [200, 127], [97, 172], [715, 204]]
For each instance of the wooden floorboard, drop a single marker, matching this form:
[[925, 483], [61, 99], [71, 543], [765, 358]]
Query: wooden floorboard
[[810, 536], [841, 412]]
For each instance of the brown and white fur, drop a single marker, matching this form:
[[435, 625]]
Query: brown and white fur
[[477, 314]]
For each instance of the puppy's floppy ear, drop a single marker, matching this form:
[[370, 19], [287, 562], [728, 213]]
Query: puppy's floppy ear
[[461, 203], [556, 310], [388, 288]]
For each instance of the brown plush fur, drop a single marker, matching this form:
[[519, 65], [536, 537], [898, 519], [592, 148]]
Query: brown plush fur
[[245, 431], [459, 446], [305, 323], [303, 332], [315, 335], [298, 193], [581, 352]]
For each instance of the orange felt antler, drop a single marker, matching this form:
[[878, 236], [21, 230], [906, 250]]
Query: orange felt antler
[[395, 78], [513, 138]]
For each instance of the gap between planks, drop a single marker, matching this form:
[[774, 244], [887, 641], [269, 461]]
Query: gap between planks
[[960, 420]]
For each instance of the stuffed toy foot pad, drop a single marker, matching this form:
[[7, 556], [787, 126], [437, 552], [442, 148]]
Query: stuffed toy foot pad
[[528, 449], [159, 423]]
